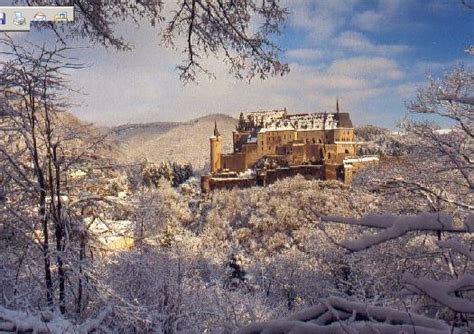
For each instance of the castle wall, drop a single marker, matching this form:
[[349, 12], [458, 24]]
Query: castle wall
[[205, 187], [333, 171], [311, 137], [238, 139], [347, 149], [269, 141], [344, 135], [329, 136], [297, 154], [315, 153], [330, 153], [363, 162], [234, 162], [348, 174], [229, 183], [308, 171], [241, 161], [251, 155]]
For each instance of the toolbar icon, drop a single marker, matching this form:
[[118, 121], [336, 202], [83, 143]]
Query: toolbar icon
[[3, 18], [19, 20], [39, 17], [60, 17]]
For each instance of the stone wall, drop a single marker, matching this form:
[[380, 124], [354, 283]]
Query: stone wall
[[314, 172], [212, 183]]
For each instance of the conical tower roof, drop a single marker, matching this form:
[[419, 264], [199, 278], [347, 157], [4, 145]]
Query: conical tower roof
[[216, 132]]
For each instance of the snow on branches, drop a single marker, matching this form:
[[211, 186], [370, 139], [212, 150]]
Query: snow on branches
[[48, 322], [442, 292], [457, 246], [393, 226], [336, 315]]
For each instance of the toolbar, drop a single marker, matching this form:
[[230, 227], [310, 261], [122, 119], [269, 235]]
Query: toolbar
[[21, 18]]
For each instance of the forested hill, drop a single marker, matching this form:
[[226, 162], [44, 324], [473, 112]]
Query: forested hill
[[175, 141]]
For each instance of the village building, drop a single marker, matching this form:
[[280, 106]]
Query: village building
[[270, 145]]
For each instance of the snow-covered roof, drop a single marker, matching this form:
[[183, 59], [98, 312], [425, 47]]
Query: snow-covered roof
[[261, 118], [279, 120], [303, 122], [366, 158], [278, 125], [316, 121]]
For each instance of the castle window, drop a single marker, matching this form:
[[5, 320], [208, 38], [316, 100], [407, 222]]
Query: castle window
[[329, 155], [347, 151], [319, 140], [314, 141]]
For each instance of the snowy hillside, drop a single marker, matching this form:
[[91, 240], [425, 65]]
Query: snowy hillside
[[180, 142]]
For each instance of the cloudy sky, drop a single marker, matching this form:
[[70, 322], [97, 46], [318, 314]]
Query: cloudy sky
[[372, 54]]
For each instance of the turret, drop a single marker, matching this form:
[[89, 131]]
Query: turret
[[216, 150]]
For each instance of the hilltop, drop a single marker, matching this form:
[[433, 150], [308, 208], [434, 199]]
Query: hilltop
[[175, 141]]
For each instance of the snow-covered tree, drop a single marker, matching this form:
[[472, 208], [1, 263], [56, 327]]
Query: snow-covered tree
[[48, 161], [223, 28], [438, 171]]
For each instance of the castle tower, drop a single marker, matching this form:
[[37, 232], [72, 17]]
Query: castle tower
[[216, 150]]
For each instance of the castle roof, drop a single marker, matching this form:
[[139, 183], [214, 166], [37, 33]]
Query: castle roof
[[261, 118], [216, 132], [279, 120], [309, 122], [344, 120]]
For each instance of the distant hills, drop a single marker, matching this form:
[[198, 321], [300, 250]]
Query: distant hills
[[174, 141]]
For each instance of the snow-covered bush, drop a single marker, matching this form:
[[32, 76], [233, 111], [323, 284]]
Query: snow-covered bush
[[173, 172]]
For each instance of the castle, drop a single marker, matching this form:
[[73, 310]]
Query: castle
[[275, 144]]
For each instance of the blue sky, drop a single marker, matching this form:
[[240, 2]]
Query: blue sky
[[371, 54]]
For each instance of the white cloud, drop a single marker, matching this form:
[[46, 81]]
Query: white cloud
[[408, 90], [425, 68], [321, 19], [376, 68], [392, 15], [359, 43], [305, 54], [369, 20]]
